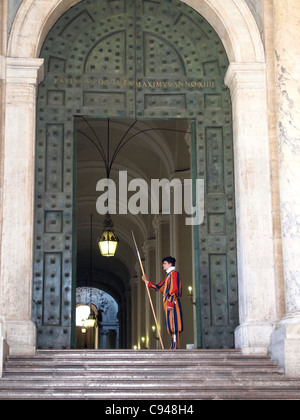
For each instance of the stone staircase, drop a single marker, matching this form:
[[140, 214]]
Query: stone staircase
[[145, 375]]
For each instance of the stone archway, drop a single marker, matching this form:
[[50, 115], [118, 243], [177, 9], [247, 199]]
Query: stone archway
[[246, 79], [234, 24], [108, 325]]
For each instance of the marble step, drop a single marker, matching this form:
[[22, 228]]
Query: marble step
[[97, 359], [149, 383], [138, 363], [110, 375], [155, 395]]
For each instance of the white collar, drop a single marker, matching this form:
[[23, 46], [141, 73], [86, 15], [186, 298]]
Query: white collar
[[170, 269]]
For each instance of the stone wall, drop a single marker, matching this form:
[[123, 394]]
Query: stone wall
[[286, 339]]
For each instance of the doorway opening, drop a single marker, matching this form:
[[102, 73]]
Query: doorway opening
[[162, 65], [104, 333], [136, 153]]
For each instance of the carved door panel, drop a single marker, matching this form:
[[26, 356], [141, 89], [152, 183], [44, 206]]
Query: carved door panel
[[138, 59]]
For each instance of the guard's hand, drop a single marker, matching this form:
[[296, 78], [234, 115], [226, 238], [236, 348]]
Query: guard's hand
[[144, 278]]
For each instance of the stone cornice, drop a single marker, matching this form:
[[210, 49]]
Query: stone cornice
[[245, 76], [24, 70], [2, 67]]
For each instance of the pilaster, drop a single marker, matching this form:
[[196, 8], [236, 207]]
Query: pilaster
[[257, 289], [21, 78], [150, 268], [134, 309], [161, 225]]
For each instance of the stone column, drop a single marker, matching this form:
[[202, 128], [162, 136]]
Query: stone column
[[126, 341], [161, 225], [134, 308], [257, 289], [140, 306], [104, 335], [22, 78], [150, 270], [4, 350], [286, 339]]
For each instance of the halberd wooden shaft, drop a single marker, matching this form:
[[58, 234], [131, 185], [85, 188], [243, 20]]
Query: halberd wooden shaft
[[149, 296]]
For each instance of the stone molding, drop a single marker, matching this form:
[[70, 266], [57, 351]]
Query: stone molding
[[160, 219], [2, 67], [245, 76], [235, 25], [232, 20], [149, 245], [24, 70]]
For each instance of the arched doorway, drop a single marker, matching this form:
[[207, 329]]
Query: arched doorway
[[246, 78], [148, 61], [153, 150], [105, 334]]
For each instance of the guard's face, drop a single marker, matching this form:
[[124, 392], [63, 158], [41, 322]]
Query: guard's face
[[166, 265]]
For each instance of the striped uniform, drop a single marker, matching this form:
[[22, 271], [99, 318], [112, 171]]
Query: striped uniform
[[172, 290]]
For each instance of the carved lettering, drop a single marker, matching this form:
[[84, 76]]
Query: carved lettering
[[124, 83]]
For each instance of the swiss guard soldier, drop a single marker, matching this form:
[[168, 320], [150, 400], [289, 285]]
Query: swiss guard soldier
[[172, 290]]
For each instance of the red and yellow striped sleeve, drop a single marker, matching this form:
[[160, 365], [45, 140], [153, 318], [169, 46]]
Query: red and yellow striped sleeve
[[158, 286]]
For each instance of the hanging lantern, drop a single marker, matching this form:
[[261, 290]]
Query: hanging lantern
[[91, 321], [108, 242]]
